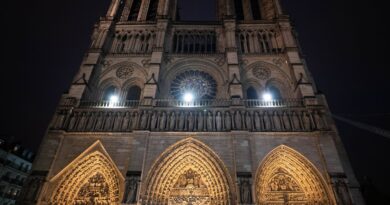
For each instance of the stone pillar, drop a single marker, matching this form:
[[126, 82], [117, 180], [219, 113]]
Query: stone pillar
[[91, 60], [143, 13], [235, 87], [150, 89]]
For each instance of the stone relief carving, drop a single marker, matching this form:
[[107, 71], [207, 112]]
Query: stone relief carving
[[245, 189], [193, 120], [261, 73], [125, 72]]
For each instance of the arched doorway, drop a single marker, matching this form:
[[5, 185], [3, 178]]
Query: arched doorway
[[92, 178], [287, 177], [188, 173]]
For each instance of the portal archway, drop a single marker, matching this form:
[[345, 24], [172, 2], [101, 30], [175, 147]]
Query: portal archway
[[188, 172], [92, 178], [285, 176]]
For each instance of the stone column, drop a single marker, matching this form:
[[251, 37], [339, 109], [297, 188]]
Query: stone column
[[235, 86], [113, 9], [246, 5]]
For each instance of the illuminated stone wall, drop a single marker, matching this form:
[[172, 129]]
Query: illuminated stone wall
[[221, 149]]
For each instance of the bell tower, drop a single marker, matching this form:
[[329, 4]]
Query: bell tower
[[166, 111]]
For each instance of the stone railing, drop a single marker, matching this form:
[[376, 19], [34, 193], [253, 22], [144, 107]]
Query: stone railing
[[164, 116], [191, 104]]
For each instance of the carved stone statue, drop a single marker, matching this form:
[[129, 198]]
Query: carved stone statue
[[190, 122], [286, 121], [144, 120], [200, 121], [248, 121], [163, 120], [131, 191], [257, 121], [172, 121], [342, 192], [267, 121], [153, 123], [319, 121], [125, 121], [276, 121], [181, 121], [237, 120], [218, 121], [99, 121], [118, 121], [108, 122], [134, 120], [306, 121], [82, 121], [245, 192], [209, 121], [228, 121]]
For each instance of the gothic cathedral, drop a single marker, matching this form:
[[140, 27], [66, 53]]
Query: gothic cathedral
[[171, 112]]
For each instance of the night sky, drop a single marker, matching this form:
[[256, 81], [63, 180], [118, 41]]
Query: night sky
[[344, 42]]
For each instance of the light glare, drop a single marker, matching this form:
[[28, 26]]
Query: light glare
[[188, 97], [267, 97], [114, 99]]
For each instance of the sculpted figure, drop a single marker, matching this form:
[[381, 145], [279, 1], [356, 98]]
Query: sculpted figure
[[144, 120], [190, 122], [163, 119], [200, 121], [248, 121], [131, 191], [91, 121], [181, 121], [125, 121], [99, 121], [172, 121], [245, 192], [209, 121], [276, 121], [218, 121], [257, 121], [286, 121], [228, 121], [267, 121], [134, 121], [306, 121], [342, 193], [237, 120], [153, 123], [81, 125]]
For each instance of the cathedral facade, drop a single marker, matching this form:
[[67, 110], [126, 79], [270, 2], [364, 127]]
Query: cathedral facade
[[171, 112]]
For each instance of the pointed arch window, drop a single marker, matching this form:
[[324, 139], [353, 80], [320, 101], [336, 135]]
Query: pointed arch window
[[275, 92], [108, 92], [239, 9], [255, 10], [152, 11], [251, 93], [134, 93], [135, 8]]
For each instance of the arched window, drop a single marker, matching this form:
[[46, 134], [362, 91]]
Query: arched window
[[134, 10], [275, 92], [108, 92], [134, 93], [251, 93]]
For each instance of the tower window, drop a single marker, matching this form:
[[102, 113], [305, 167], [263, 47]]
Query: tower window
[[255, 10], [239, 9], [275, 92], [251, 93], [108, 93], [197, 10], [134, 93], [135, 8], [152, 11]]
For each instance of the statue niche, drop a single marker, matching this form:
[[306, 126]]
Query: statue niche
[[189, 189]]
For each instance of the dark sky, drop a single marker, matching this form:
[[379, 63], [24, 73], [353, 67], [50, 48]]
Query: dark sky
[[345, 44]]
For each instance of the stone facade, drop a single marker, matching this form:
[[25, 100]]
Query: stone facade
[[124, 134]]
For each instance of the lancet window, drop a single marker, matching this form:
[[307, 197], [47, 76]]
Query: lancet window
[[194, 42], [135, 8], [264, 41], [152, 11]]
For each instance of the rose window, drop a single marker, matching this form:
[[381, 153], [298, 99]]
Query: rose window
[[196, 83]]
